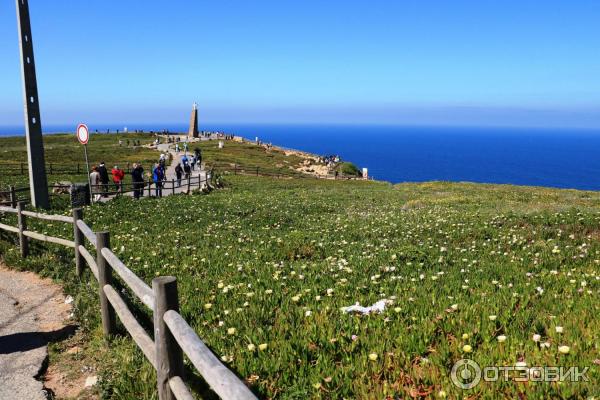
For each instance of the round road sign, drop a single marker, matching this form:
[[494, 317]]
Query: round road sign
[[83, 134]]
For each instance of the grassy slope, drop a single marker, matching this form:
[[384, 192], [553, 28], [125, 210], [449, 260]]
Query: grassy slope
[[485, 248]]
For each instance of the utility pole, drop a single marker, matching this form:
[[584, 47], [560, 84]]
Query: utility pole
[[38, 182]]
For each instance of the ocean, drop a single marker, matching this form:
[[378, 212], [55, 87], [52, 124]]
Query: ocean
[[537, 157]]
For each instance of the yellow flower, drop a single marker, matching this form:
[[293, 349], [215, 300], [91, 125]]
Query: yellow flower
[[251, 347], [442, 394], [262, 346], [564, 349], [231, 331], [465, 336], [492, 317], [373, 356], [295, 298], [467, 349], [501, 338], [207, 306]]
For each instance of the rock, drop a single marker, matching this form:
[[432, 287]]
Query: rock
[[91, 381], [69, 300]]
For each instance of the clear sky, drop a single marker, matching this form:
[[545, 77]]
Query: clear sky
[[471, 62]]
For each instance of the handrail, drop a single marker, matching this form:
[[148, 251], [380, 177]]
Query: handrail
[[87, 232], [134, 328], [89, 259], [179, 389], [138, 286], [9, 228], [8, 209], [51, 239], [221, 380], [55, 218]]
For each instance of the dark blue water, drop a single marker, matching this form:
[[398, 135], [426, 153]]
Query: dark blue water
[[556, 158]]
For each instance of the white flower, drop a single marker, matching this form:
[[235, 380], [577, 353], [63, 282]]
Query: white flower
[[307, 313], [559, 329], [373, 356], [492, 317], [231, 331], [536, 337], [564, 349], [251, 347], [501, 338]]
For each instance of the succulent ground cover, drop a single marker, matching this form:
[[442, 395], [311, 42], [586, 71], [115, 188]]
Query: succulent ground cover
[[499, 274]]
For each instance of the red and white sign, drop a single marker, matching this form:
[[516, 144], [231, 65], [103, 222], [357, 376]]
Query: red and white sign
[[83, 134]]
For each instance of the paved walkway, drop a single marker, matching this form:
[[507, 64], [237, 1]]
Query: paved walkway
[[170, 175], [32, 314]]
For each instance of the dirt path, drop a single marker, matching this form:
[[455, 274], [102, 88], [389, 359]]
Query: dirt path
[[33, 313]]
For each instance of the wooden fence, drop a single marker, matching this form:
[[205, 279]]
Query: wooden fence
[[173, 336]]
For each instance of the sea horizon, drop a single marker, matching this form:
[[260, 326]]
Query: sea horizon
[[559, 157]]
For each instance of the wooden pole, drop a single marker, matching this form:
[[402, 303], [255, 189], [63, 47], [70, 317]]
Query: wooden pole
[[22, 221], [79, 240], [169, 356], [13, 196], [109, 325], [173, 185], [189, 183]]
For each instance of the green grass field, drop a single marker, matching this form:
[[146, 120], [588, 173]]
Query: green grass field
[[265, 266]]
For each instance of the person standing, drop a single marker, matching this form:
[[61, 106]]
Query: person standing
[[95, 182], [118, 175], [137, 177], [158, 176], [198, 154], [178, 174], [103, 178]]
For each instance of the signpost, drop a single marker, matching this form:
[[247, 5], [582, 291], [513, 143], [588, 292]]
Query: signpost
[[83, 135]]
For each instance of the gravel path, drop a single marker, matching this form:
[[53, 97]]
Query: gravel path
[[32, 314]]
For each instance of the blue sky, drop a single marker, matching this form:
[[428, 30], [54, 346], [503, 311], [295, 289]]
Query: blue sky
[[460, 62]]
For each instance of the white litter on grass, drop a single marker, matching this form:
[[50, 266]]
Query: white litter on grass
[[69, 300], [91, 381], [375, 308]]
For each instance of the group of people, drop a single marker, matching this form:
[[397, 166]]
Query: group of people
[[189, 165], [330, 160], [99, 177]]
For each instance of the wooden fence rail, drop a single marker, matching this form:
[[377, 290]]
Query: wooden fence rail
[[173, 336]]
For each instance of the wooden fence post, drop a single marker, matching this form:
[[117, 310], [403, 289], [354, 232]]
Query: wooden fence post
[[13, 196], [173, 185], [22, 221], [149, 188], [109, 325], [235, 169], [189, 184], [50, 168], [169, 357], [22, 169], [78, 239]]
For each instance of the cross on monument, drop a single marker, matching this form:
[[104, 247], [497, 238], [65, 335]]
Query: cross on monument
[[38, 182]]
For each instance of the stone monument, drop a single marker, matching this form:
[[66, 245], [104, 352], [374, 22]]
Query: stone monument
[[38, 182], [193, 132]]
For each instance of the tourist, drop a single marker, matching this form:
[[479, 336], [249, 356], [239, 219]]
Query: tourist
[[158, 176], [178, 174], [184, 160], [117, 176], [198, 154], [193, 163], [177, 148], [95, 182], [103, 177], [137, 177], [185, 146], [187, 170]]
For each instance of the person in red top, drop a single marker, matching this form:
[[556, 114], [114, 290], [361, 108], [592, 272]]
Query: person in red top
[[118, 175]]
